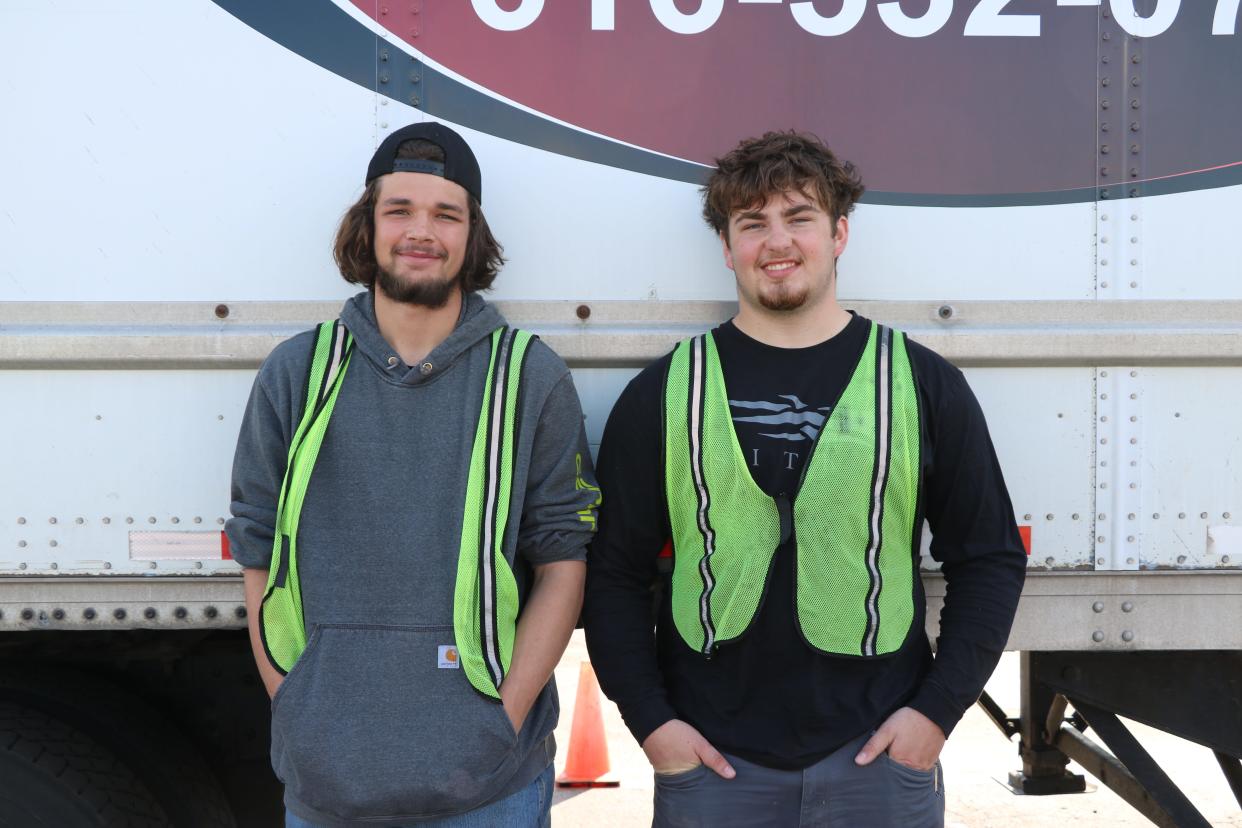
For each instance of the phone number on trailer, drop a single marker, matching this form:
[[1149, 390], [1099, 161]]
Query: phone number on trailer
[[987, 19]]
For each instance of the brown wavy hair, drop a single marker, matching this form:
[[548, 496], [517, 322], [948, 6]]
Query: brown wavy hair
[[759, 168], [354, 250]]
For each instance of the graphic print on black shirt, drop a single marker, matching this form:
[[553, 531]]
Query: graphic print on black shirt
[[790, 421], [780, 398]]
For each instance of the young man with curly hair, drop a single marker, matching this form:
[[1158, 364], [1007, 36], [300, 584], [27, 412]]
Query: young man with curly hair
[[786, 461], [412, 498]]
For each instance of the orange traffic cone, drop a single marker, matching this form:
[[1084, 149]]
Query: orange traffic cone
[[588, 747]]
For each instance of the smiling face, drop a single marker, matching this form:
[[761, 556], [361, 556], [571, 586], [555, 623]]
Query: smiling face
[[784, 253], [422, 228]]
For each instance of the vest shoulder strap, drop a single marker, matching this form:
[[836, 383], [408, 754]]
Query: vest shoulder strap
[[281, 622], [485, 601]]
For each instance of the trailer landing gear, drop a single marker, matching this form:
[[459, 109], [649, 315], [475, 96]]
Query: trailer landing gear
[[1196, 695]]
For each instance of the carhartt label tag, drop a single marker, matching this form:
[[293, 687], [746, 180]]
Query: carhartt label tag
[[448, 658]]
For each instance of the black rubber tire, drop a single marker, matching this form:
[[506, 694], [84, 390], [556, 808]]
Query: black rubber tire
[[142, 738], [52, 775]]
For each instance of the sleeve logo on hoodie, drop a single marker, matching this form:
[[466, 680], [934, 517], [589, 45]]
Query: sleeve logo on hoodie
[[587, 515]]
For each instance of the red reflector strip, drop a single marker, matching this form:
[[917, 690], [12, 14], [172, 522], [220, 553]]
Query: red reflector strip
[[172, 546], [667, 551], [225, 554]]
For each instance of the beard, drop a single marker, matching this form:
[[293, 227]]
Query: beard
[[428, 294], [783, 297]]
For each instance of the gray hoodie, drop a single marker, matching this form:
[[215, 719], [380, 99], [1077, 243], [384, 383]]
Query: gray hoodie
[[374, 725]]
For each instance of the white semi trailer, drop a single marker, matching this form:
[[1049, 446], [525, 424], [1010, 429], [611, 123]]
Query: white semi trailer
[[1054, 201]]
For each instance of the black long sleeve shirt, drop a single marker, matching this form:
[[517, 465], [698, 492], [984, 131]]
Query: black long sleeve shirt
[[766, 696]]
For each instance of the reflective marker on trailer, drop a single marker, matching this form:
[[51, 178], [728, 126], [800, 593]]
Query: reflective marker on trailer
[[179, 546]]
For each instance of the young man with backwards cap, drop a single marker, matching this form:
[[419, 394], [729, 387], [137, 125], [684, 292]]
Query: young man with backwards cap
[[411, 502], [788, 459]]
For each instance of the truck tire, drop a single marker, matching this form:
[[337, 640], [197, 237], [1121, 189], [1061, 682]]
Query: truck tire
[[163, 759], [52, 775]]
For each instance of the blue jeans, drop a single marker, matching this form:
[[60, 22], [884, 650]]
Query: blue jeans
[[530, 807]]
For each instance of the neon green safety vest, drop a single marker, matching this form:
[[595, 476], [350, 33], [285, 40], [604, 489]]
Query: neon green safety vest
[[852, 516], [485, 600]]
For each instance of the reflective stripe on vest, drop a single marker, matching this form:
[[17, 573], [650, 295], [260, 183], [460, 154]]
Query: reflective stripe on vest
[[485, 600], [853, 515], [280, 618]]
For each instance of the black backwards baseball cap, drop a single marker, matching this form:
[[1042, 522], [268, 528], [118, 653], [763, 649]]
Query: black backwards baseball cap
[[460, 166]]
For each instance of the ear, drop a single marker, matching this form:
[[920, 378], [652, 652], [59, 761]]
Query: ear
[[728, 252], [842, 238]]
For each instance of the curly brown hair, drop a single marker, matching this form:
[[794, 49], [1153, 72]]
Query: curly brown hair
[[759, 168], [354, 249]]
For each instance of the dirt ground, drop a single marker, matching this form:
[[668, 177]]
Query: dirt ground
[[976, 761]]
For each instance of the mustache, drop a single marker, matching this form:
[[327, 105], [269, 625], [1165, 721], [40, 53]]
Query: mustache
[[426, 249]]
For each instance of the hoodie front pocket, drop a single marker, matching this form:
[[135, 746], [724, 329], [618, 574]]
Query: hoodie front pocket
[[379, 721]]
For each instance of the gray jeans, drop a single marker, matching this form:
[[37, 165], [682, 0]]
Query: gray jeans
[[832, 793]]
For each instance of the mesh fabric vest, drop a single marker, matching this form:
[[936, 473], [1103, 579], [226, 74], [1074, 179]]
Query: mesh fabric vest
[[852, 516], [485, 598]]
